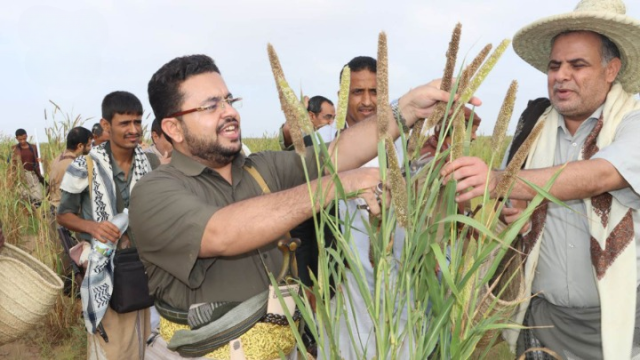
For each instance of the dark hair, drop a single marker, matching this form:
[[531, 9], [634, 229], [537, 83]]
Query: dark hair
[[164, 87], [156, 127], [360, 63], [21, 132], [120, 102], [315, 103], [608, 50], [97, 130], [78, 135]]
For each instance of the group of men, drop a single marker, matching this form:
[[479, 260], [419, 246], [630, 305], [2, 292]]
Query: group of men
[[205, 223]]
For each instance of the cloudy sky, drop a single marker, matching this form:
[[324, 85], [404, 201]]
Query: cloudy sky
[[75, 52]]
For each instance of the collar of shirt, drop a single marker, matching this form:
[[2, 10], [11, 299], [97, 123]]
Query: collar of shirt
[[191, 167], [68, 152], [117, 171], [593, 118]]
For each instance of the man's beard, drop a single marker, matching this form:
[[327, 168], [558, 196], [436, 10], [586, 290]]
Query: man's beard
[[210, 151]]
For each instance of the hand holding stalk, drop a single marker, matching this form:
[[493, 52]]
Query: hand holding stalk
[[473, 176]]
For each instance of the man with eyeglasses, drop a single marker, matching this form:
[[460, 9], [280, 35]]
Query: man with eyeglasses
[[205, 224]]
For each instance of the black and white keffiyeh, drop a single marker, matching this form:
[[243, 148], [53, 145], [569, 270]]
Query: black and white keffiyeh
[[97, 285]]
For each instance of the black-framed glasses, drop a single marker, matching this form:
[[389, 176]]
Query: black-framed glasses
[[217, 103]]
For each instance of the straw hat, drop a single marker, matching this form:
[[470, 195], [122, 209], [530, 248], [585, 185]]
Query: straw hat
[[607, 17]]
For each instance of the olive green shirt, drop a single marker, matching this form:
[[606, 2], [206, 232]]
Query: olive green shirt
[[170, 209]]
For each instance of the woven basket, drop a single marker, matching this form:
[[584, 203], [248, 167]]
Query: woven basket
[[28, 290], [508, 282]]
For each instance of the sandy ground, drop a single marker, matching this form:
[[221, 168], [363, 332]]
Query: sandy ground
[[19, 350]]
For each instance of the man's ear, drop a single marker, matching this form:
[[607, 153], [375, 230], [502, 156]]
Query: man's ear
[[612, 69], [312, 118], [172, 127], [106, 126]]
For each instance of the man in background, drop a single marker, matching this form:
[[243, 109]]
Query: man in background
[[99, 135], [321, 113], [118, 165], [161, 146], [25, 168], [78, 143]]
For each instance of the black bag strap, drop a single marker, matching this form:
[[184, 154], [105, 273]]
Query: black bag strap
[[528, 119]]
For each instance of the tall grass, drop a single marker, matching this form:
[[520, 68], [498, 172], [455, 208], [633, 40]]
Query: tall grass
[[32, 228], [417, 311]]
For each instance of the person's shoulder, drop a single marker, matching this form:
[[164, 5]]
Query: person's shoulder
[[154, 187], [57, 160], [328, 132], [269, 155], [80, 160], [152, 158], [165, 173]]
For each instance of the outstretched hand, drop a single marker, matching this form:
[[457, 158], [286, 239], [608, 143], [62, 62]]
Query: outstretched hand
[[365, 181], [472, 175], [419, 102]]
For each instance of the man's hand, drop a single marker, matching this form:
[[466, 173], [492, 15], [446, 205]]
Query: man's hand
[[365, 181], [105, 231], [472, 175], [509, 215], [419, 102]]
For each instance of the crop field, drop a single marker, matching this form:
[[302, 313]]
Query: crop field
[[62, 334]]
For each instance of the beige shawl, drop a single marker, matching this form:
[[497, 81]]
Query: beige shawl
[[613, 250]]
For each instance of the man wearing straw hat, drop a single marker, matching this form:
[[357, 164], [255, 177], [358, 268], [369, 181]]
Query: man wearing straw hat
[[583, 261]]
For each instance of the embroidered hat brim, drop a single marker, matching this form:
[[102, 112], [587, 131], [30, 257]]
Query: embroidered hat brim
[[607, 17]]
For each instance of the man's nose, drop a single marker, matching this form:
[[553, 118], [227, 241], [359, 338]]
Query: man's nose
[[133, 129], [367, 99], [563, 73]]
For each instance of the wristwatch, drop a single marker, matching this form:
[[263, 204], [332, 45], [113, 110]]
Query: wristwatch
[[395, 110]]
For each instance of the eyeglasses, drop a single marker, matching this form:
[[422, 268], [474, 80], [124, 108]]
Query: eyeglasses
[[233, 102]]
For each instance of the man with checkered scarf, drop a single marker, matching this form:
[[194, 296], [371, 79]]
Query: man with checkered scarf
[[88, 203]]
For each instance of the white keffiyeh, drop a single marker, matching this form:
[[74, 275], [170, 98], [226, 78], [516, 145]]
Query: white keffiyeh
[[97, 285]]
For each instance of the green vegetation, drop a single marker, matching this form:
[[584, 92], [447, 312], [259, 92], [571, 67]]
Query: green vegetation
[[456, 280], [451, 313], [62, 334]]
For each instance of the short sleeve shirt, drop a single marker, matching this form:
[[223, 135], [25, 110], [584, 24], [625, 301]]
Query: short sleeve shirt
[[170, 209]]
